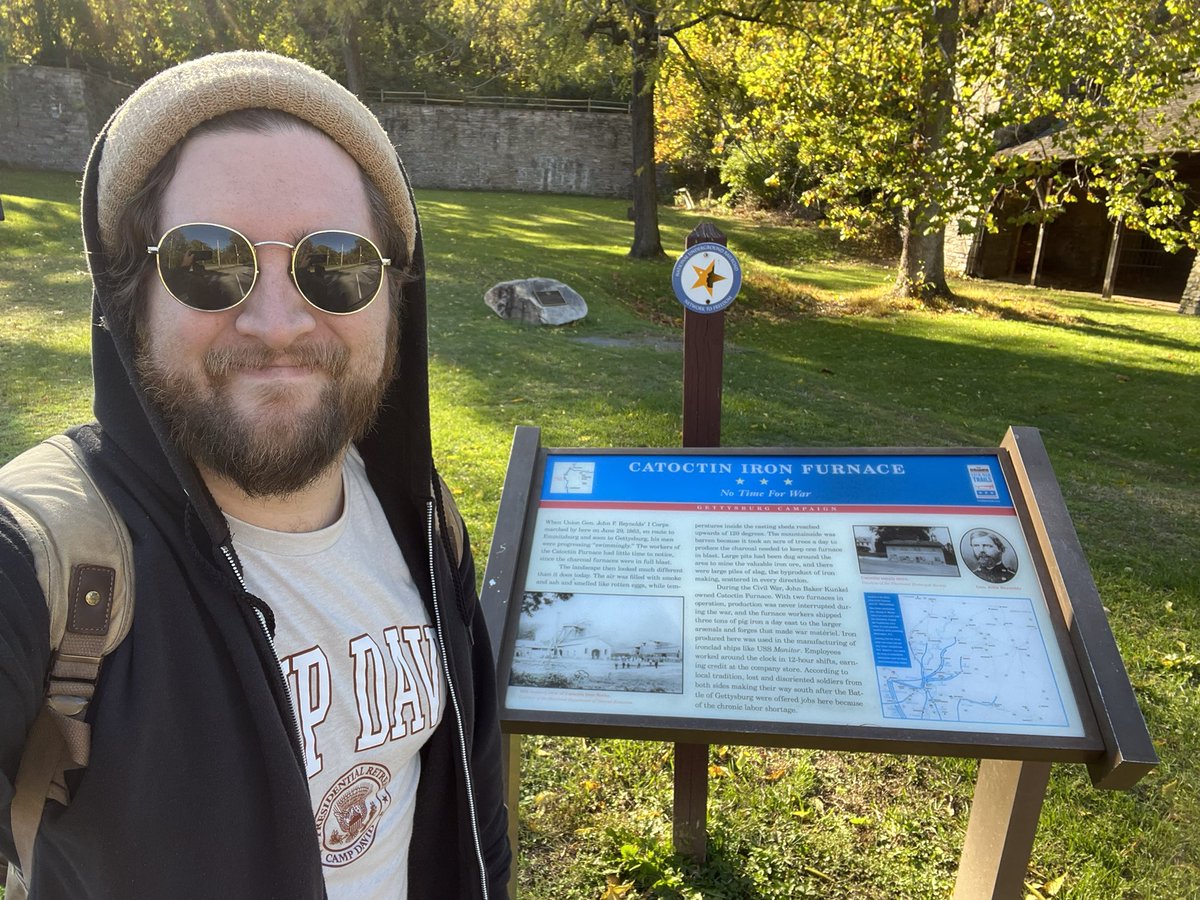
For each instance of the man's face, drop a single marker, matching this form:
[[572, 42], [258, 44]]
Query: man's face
[[985, 551], [267, 394]]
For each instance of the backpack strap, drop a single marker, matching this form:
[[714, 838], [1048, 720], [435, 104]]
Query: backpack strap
[[84, 560], [444, 502]]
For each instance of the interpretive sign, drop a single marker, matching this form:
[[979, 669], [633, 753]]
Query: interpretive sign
[[789, 597], [923, 601]]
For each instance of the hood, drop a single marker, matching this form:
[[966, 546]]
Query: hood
[[397, 451]]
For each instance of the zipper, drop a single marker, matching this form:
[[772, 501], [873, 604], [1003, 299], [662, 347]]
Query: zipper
[[458, 719], [262, 621]]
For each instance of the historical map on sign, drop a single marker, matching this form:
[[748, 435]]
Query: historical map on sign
[[962, 659], [573, 477]]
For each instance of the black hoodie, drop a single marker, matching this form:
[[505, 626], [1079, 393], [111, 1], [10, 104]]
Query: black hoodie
[[196, 785]]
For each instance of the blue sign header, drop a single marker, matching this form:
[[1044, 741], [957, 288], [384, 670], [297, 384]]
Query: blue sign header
[[974, 481]]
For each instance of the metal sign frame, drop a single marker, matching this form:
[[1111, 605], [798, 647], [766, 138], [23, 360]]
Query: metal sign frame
[[1114, 743]]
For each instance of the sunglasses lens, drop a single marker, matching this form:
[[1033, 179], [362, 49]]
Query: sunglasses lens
[[337, 271], [206, 267]]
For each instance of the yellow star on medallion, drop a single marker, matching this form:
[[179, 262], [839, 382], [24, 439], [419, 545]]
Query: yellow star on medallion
[[706, 278]]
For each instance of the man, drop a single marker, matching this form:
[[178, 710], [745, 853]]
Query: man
[[989, 549], [306, 699]]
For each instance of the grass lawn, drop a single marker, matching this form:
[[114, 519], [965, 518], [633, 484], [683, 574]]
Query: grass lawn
[[814, 357]]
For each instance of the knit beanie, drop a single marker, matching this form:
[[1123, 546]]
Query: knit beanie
[[160, 113]]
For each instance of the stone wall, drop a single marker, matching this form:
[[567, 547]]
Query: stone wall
[[494, 149], [1190, 303], [49, 117], [957, 250]]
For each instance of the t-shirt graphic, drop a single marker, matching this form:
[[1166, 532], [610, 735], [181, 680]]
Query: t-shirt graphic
[[360, 657]]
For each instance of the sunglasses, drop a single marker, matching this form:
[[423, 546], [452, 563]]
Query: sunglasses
[[212, 268]]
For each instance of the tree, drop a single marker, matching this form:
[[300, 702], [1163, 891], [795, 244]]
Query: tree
[[865, 91], [891, 111], [630, 22], [133, 39], [1116, 137], [645, 26], [532, 601]]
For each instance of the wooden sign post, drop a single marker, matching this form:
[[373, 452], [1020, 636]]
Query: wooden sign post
[[703, 363], [703, 359]]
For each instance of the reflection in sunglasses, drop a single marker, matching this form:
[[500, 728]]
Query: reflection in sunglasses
[[212, 268]]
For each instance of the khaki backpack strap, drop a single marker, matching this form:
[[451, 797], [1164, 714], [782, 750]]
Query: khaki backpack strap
[[14, 884], [40, 777], [84, 561]]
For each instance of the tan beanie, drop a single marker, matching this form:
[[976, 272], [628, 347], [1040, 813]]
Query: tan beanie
[[162, 111]]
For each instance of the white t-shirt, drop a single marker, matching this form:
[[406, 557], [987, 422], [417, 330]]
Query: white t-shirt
[[360, 657]]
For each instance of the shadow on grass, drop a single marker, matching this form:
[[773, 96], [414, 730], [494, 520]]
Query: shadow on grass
[[1045, 311]]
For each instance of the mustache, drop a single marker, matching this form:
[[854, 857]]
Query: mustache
[[330, 358]]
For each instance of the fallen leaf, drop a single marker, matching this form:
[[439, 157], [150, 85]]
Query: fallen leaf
[[614, 890], [811, 871], [1052, 887]]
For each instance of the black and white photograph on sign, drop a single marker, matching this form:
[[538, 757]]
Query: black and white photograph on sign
[[989, 556], [922, 550], [599, 642]]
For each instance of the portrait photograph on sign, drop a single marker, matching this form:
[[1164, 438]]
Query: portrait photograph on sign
[[989, 555]]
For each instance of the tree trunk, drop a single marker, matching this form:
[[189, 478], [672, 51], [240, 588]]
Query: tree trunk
[[1114, 258], [922, 260], [1035, 272], [644, 42], [50, 51], [352, 57], [217, 17]]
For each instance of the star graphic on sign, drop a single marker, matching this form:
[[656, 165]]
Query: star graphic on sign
[[787, 481], [763, 481], [706, 277], [740, 481]]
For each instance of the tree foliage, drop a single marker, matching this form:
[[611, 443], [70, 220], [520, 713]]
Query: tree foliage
[[439, 46], [1124, 97], [870, 112], [646, 27], [891, 111]]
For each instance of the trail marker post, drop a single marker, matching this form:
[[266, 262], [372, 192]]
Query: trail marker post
[[705, 280]]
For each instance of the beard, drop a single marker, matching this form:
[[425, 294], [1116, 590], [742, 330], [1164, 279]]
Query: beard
[[271, 451]]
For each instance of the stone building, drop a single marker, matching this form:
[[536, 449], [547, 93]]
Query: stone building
[[1081, 248]]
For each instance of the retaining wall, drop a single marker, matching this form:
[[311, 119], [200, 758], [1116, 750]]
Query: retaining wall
[[49, 117]]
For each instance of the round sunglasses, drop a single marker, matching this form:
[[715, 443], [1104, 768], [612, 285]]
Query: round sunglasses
[[212, 268]]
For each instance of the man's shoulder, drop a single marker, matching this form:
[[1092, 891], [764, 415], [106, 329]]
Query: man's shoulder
[[997, 573]]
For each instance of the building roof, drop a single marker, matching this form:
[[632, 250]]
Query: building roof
[[1158, 126]]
